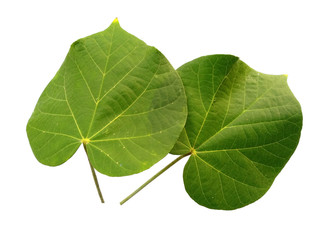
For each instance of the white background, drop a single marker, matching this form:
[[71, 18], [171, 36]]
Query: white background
[[41, 202]]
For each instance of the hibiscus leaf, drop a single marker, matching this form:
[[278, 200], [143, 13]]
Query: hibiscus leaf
[[117, 96], [242, 128]]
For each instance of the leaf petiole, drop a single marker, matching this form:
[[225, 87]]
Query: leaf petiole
[[94, 175], [154, 177]]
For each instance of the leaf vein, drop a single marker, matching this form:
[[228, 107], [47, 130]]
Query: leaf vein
[[218, 171], [128, 106], [55, 133]]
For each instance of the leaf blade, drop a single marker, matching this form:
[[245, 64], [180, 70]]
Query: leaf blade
[[245, 138], [108, 96]]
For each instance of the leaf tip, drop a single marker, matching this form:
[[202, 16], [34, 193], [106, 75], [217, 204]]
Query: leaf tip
[[286, 75], [116, 20]]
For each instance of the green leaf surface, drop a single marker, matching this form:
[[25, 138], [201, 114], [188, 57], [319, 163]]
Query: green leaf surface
[[117, 95], [242, 128]]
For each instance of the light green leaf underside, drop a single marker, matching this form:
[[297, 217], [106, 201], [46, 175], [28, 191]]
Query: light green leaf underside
[[243, 125], [117, 92]]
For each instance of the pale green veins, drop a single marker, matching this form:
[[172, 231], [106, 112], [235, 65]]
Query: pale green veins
[[242, 128], [115, 94], [129, 108]]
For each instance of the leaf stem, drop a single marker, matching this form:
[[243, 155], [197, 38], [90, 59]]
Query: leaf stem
[[154, 177], [94, 175]]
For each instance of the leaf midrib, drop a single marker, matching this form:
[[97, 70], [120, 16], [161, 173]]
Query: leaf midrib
[[130, 104], [212, 100], [104, 73], [243, 111]]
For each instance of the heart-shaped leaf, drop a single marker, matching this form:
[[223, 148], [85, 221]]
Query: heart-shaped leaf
[[118, 96], [242, 128]]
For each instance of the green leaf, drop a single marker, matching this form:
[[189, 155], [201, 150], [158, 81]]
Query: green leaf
[[242, 128], [118, 96]]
